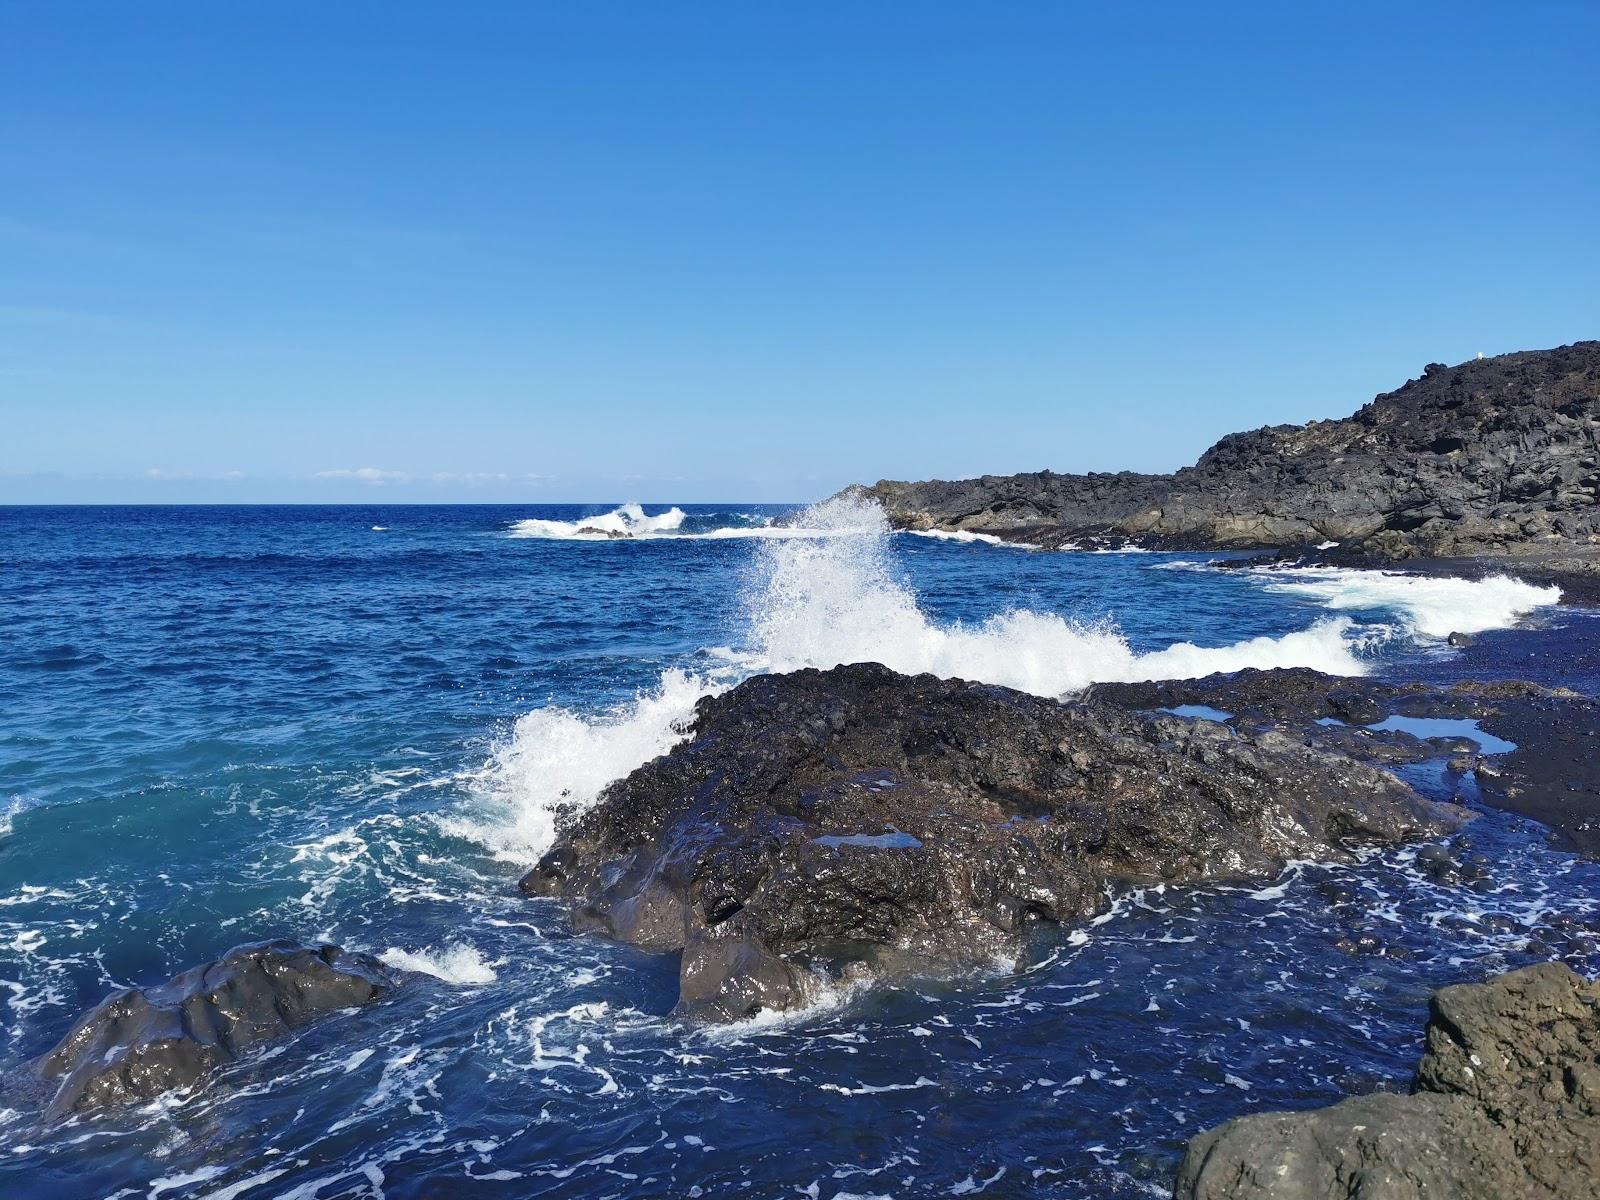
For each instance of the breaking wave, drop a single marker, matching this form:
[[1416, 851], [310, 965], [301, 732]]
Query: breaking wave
[[627, 521], [631, 523], [558, 760], [839, 600], [968, 536], [1429, 607], [819, 601]]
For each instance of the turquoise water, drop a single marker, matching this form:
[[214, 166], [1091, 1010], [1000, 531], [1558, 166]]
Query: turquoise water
[[358, 724]]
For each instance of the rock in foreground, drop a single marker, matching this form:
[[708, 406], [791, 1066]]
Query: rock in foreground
[[1505, 1106], [141, 1042], [822, 820]]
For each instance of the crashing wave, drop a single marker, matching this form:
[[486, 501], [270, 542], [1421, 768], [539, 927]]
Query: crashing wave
[[968, 536], [631, 523], [627, 521], [822, 601], [1429, 607]]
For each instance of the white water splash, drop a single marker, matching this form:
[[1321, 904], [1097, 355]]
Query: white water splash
[[840, 600], [457, 963], [819, 601], [1429, 607], [629, 523], [558, 760], [629, 520]]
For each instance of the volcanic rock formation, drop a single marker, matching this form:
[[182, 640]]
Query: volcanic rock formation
[[824, 822], [141, 1042], [1505, 1106], [1496, 456], [1547, 766]]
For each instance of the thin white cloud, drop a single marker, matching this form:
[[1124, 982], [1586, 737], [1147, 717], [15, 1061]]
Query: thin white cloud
[[163, 473], [470, 478], [372, 475]]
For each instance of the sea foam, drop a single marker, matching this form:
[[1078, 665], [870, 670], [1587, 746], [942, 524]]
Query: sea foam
[[1429, 607], [969, 536], [459, 964], [632, 523], [558, 760]]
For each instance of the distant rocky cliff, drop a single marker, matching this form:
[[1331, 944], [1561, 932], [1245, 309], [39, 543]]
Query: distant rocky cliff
[[1497, 456]]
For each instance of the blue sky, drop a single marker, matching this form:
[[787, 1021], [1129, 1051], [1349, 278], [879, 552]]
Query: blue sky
[[660, 251]]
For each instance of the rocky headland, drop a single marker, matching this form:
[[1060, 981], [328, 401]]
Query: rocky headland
[[826, 825], [1505, 1105], [1496, 457]]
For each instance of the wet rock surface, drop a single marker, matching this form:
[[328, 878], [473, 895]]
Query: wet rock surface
[[1497, 456], [1505, 1105], [1551, 773], [141, 1042], [822, 824]]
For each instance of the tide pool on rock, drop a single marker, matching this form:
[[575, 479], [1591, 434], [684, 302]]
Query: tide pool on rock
[[235, 723]]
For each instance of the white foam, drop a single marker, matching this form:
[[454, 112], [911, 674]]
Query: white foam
[[839, 600], [558, 760], [968, 535], [629, 520], [821, 600], [1429, 607], [457, 963], [12, 807]]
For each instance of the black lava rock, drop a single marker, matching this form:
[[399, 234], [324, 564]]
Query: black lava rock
[[1505, 1106], [1493, 456], [825, 818], [141, 1042]]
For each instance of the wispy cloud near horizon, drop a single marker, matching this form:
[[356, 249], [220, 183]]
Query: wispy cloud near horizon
[[372, 475]]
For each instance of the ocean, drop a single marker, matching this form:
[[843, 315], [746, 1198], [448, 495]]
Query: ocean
[[362, 723]]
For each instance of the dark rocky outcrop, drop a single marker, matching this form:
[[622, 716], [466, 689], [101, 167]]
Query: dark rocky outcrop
[[1505, 1106], [141, 1042], [1497, 456], [856, 819], [1552, 775]]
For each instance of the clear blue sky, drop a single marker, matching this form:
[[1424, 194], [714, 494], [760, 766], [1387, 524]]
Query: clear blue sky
[[691, 251]]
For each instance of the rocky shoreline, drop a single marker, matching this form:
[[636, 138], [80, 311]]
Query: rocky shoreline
[[139, 1043], [831, 828], [1494, 459], [819, 830], [825, 826], [1544, 765], [1505, 1105]]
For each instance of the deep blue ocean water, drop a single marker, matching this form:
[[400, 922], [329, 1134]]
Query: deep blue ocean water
[[352, 723]]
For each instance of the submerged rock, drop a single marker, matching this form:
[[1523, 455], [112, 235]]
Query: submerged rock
[[141, 1042], [823, 819], [1505, 1106]]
